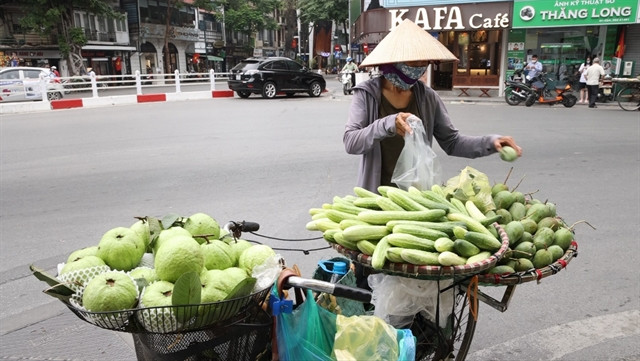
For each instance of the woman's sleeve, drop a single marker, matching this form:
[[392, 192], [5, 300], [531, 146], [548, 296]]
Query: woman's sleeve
[[360, 136], [452, 141]]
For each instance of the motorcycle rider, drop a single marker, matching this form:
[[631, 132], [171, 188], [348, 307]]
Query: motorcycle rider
[[533, 68], [351, 68]]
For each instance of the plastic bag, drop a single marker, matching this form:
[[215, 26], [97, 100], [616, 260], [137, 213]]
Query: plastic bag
[[473, 185], [398, 299], [417, 165], [369, 338], [307, 333]]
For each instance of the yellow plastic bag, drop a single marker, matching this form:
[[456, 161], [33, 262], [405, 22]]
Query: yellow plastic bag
[[471, 185], [370, 338]]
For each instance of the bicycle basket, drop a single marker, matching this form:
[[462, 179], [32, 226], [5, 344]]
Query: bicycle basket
[[430, 272], [246, 340], [173, 319], [533, 274]]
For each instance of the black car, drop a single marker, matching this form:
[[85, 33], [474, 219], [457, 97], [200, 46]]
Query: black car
[[273, 75]]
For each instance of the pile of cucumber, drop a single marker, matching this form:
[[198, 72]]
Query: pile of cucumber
[[432, 227]]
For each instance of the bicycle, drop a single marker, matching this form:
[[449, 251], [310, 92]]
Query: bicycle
[[628, 97], [433, 343]]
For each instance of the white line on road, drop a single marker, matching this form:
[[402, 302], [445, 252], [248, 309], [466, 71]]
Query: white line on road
[[555, 342]]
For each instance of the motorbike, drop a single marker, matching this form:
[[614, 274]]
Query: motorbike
[[516, 90], [345, 79], [605, 93], [547, 90]]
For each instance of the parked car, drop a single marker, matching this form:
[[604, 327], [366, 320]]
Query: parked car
[[23, 84], [273, 75]]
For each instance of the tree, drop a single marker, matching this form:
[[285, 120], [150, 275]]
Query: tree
[[327, 10], [249, 16], [56, 16]]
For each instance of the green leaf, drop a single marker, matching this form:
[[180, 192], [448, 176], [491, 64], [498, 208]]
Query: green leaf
[[155, 227], [170, 220], [60, 291], [45, 277], [242, 289], [186, 291]]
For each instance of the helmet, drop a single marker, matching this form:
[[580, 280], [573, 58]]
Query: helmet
[[349, 59], [54, 67]]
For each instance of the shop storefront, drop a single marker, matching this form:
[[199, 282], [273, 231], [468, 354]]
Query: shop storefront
[[473, 32], [564, 33]]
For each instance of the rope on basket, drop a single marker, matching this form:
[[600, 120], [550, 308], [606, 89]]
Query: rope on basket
[[473, 306]]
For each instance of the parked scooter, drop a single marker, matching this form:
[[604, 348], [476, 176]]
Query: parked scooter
[[549, 91], [516, 91], [345, 79], [605, 93]]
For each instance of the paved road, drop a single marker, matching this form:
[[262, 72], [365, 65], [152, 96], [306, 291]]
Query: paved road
[[68, 176]]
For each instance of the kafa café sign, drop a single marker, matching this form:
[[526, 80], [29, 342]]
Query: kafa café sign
[[478, 16]]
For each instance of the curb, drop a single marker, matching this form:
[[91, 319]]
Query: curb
[[23, 107]]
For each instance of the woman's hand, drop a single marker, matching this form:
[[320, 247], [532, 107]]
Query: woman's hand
[[402, 127], [506, 141]]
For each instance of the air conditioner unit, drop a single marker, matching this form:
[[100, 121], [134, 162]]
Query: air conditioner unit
[[259, 43]]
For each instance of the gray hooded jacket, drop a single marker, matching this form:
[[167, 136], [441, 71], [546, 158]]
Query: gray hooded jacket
[[364, 131]]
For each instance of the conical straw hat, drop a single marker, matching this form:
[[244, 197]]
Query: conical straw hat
[[408, 42]]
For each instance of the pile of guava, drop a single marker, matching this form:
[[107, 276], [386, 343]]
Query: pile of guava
[[155, 263]]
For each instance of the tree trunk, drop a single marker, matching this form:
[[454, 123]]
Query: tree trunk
[[167, 33]]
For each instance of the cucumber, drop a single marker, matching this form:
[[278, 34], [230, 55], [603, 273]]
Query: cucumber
[[488, 221], [410, 241], [361, 232], [328, 234], [419, 257], [387, 204], [443, 244], [322, 224], [339, 216], [363, 193], [418, 231], [474, 211], [346, 223], [483, 241], [320, 215], [459, 206], [451, 259], [366, 247], [348, 207], [368, 203], [500, 270], [379, 256], [402, 198], [465, 248], [417, 196], [446, 227], [471, 223], [382, 217], [459, 232], [338, 237], [393, 254], [479, 257], [383, 190]]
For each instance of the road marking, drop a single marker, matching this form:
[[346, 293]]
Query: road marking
[[555, 342]]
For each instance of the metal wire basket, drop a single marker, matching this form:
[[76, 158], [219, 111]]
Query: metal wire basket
[[175, 319], [430, 272], [246, 340]]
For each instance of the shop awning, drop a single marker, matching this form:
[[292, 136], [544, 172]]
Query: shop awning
[[214, 58]]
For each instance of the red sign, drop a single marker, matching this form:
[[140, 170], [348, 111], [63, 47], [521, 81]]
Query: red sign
[[365, 48], [337, 47]]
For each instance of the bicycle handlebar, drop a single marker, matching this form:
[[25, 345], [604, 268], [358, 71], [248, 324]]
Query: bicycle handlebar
[[336, 289]]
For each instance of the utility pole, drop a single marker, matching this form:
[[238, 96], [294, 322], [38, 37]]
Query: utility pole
[[349, 31]]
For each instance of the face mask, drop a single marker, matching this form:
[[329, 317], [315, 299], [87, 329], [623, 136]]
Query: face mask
[[402, 75], [534, 61]]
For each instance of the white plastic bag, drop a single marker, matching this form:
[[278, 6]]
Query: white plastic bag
[[417, 165], [398, 299]]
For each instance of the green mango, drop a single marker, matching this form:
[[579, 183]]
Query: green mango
[[543, 238], [519, 196], [542, 258], [556, 251], [550, 222], [523, 264], [529, 225], [504, 199], [563, 238], [497, 188], [526, 247], [514, 230], [518, 211], [506, 216]]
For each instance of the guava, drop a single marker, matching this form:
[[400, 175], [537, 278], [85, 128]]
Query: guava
[[157, 294], [121, 248], [142, 229], [253, 256], [161, 319], [181, 255], [231, 277], [149, 274], [217, 255], [110, 291], [82, 263], [76, 274], [167, 234], [87, 251], [147, 260], [238, 246], [201, 224], [213, 289]]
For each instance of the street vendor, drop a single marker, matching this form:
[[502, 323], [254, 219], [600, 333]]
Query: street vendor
[[380, 107]]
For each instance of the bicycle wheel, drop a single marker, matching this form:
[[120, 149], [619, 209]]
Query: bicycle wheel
[[629, 98], [453, 341]]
